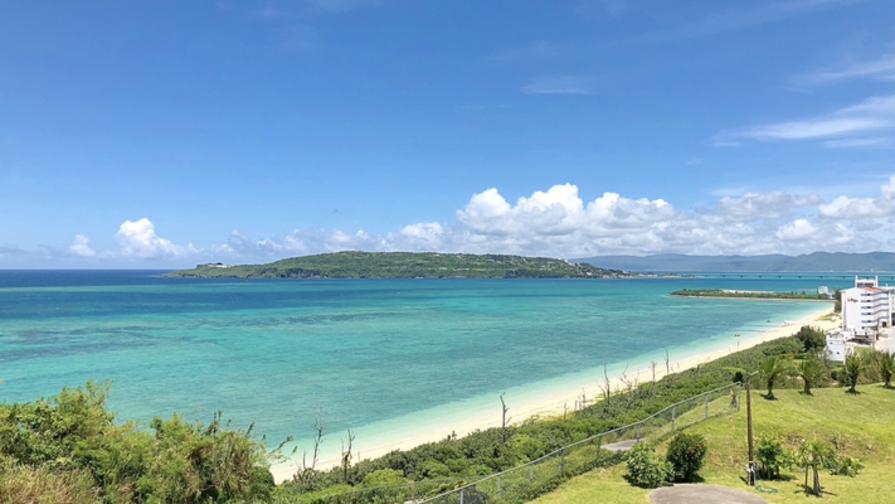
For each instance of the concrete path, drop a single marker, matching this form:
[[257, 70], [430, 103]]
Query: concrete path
[[688, 493], [620, 446]]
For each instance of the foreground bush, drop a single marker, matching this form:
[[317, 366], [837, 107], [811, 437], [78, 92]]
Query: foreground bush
[[646, 469], [685, 454], [42, 485], [771, 456], [846, 466], [67, 449]]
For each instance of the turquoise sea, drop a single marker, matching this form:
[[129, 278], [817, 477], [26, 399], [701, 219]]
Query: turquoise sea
[[379, 356]]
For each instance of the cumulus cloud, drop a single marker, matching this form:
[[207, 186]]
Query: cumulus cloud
[[138, 240], [798, 229], [80, 246], [845, 207], [752, 206]]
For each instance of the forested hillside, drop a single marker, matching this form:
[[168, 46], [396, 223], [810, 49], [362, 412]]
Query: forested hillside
[[405, 265]]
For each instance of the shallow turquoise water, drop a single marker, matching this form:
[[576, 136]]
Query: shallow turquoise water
[[355, 352]]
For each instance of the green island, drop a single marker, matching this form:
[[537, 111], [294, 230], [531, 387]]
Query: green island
[[820, 429], [405, 265], [724, 293]]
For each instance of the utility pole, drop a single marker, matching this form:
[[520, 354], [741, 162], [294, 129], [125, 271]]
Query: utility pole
[[750, 468]]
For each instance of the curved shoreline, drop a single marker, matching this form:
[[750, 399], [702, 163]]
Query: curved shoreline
[[556, 403]]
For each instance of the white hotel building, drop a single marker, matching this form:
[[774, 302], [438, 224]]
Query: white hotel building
[[867, 308]]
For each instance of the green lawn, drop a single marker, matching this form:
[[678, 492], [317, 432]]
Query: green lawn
[[862, 426]]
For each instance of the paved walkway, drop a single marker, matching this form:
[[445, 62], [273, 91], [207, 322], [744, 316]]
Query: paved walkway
[[688, 493], [620, 446]]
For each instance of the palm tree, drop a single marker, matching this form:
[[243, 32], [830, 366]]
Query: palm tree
[[772, 369], [815, 454], [854, 366], [810, 371], [887, 367]]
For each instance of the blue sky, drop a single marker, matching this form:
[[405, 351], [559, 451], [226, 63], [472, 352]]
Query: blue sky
[[163, 134]]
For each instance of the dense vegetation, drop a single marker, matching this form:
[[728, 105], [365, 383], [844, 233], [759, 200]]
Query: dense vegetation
[[721, 293], [68, 450], [405, 265]]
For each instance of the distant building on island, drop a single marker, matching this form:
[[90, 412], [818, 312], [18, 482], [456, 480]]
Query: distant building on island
[[868, 312]]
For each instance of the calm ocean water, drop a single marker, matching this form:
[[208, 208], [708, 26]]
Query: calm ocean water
[[355, 352]]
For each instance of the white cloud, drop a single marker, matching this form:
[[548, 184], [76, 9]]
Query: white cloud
[[845, 207], [138, 240], [882, 68], [873, 114], [800, 130], [798, 229], [80, 246], [753, 206]]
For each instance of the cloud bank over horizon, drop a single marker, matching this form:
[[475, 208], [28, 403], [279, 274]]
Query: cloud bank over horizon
[[556, 222]]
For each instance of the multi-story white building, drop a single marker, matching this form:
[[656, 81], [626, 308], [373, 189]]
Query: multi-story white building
[[867, 307]]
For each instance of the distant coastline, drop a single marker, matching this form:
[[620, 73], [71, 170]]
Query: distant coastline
[[741, 294]]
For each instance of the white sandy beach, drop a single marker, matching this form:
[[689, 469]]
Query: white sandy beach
[[557, 403]]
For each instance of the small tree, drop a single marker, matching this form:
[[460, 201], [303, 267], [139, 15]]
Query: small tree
[[810, 371], [815, 454], [772, 369], [886, 365], [771, 456], [812, 340], [646, 469], [854, 366], [685, 453]]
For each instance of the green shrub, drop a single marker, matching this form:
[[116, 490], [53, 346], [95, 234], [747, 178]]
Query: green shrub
[[383, 477], [431, 469], [646, 469], [44, 484], [771, 456], [685, 453], [846, 466]]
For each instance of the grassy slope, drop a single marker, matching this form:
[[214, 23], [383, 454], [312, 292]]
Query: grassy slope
[[863, 425]]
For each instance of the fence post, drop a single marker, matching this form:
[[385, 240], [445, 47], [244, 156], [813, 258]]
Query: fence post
[[672, 419], [461, 496], [638, 430], [562, 463], [739, 395], [599, 444], [498, 487], [706, 405], [531, 474]]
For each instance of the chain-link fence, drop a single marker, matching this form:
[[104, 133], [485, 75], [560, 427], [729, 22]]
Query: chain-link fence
[[521, 484], [524, 483]]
